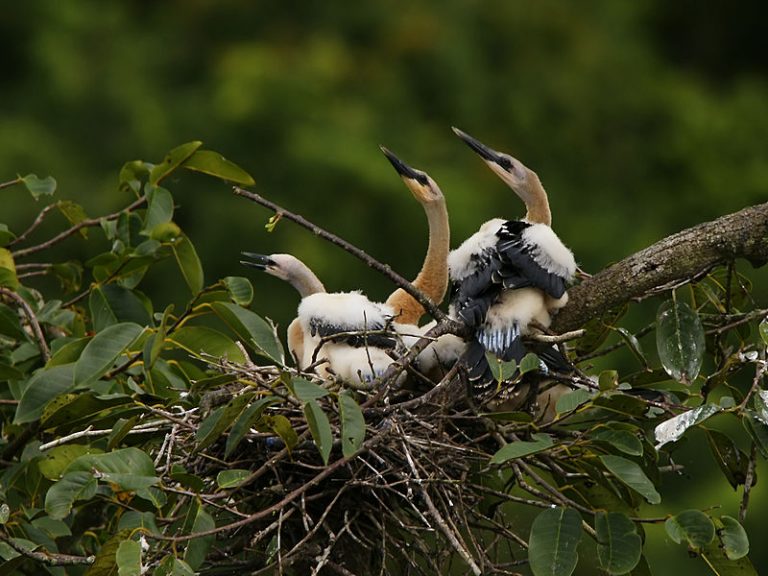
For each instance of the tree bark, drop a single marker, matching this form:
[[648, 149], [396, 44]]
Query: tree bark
[[677, 258]]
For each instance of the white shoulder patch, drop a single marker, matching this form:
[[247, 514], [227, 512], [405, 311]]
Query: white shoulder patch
[[350, 310], [548, 250], [460, 262]]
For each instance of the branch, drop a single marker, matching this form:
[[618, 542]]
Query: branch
[[46, 557], [384, 269], [33, 323], [675, 259]]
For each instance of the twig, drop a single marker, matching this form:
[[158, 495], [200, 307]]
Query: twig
[[30, 314], [39, 220], [89, 432], [748, 480], [384, 269], [557, 338], [88, 222], [47, 558]]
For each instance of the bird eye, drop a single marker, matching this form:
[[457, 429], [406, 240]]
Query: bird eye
[[505, 163]]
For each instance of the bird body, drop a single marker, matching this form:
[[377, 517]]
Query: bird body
[[510, 275]]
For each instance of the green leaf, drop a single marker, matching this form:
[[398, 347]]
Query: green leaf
[[306, 390], [679, 340], [758, 431], [232, 478], [240, 289], [720, 565], [159, 209], [43, 387], [692, 526], [732, 460], [618, 543], [280, 425], [352, 424], [74, 213], [10, 323], [214, 164], [8, 276], [105, 563], [555, 536], [103, 350], [200, 341], [62, 495], [763, 329], [145, 521], [320, 428], [245, 421], [608, 380], [5, 235], [519, 449], [529, 363], [622, 440], [252, 329], [173, 160], [500, 369], [734, 538], [673, 429], [172, 566], [219, 420], [598, 329], [39, 186], [55, 461], [124, 461], [197, 549], [5, 513], [128, 558], [632, 475], [633, 344], [572, 400], [189, 262], [111, 304]]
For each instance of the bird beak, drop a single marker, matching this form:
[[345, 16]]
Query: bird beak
[[487, 154], [258, 261], [417, 181]]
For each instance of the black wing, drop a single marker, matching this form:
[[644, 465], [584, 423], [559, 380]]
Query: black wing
[[375, 334], [509, 264]]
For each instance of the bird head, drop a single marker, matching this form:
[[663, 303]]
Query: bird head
[[421, 185], [524, 181], [278, 265]]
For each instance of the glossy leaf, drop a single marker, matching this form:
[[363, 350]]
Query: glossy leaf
[[729, 457], [159, 209], [8, 278], [280, 425], [197, 549], [245, 421], [125, 461], [608, 380], [128, 558], [734, 538], [320, 428], [231, 478], [73, 486], [513, 450], [632, 475], [572, 400], [189, 262], [691, 526], [43, 387], [672, 429], [111, 304], [252, 329], [680, 340], [622, 440], [555, 536], [214, 164], [501, 369], [103, 350], [352, 424], [57, 459], [203, 342], [529, 363], [173, 160], [240, 289], [618, 543], [306, 390], [39, 186]]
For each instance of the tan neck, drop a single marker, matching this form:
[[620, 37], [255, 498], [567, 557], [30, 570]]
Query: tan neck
[[432, 280], [536, 202], [305, 281]]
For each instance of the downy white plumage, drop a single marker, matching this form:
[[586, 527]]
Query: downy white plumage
[[510, 272]]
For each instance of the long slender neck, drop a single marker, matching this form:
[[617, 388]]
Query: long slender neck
[[536, 202], [304, 280], [432, 279]]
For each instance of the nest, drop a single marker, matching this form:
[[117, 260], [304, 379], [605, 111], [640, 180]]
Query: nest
[[417, 496]]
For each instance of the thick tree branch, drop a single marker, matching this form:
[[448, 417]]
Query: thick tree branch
[[677, 258]]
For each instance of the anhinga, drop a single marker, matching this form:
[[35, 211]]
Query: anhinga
[[355, 335], [511, 273]]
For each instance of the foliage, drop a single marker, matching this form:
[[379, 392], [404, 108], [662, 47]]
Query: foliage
[[145, 436]]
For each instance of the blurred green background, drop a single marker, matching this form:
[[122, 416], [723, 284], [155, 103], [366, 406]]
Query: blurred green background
[[640, 118]]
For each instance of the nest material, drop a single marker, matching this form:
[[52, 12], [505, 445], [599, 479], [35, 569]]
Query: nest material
[[414, 500]]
